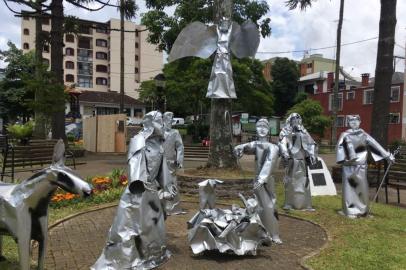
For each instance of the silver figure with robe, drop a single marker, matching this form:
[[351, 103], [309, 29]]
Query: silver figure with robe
[[266, 156], [207, 193], [352, 152], [199, 40], [137, 238], [174, 153], [237, 230], [298, 149]]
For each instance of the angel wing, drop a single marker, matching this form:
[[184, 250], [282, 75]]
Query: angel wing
[[244, 39], [196, 39]]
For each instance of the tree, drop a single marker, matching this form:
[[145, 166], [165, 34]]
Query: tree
[[312, 116], [285, 75], [384, 71]]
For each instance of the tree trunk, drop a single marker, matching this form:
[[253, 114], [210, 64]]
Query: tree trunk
[[337, 75], [122, 56], [58, 117], [221, 140], [39, 128], [384, 71]]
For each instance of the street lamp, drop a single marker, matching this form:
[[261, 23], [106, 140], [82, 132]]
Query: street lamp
[[160, 86]]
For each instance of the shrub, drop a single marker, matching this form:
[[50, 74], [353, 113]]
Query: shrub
[[22, 131]]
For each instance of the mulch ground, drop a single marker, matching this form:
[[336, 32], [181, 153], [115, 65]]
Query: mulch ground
[[77, 243]]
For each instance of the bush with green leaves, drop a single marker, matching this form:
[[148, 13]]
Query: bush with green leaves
[[21, 131]]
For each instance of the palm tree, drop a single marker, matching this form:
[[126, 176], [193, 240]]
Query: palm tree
[[127, 10], [384, 71]]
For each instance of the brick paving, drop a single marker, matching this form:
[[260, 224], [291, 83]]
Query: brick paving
[[77, 243]]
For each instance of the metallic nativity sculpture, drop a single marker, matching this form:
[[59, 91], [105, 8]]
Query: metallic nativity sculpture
[[298, 150], [137, 238], [174, 152], [199, 40], [24, 207], [352, 152], [266, 156], [236, 230]]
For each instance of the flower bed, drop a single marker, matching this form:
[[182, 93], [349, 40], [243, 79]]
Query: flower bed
[[105, 189]]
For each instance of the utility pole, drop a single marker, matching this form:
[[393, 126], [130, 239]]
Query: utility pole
[[122, 3], [337, 75]]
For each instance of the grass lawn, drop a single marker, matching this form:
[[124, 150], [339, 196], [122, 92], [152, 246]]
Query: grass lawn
[[367, 243]]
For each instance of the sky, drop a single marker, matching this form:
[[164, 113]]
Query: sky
[[292, 30]]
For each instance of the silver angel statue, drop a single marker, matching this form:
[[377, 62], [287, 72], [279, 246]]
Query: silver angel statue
[[174, 153], [237, 230], [199, 40], [24, 206], [137, 238], [266, 156], [352, 152], [298, 150]]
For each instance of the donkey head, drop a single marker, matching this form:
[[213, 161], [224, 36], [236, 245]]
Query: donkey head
[[65, 177]]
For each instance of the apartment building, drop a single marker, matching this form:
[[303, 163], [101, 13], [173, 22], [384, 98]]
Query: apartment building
[[92, 58]]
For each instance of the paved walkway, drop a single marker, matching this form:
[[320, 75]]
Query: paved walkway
[[78, 242]]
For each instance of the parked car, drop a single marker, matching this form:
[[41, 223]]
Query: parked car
[[178, 121]]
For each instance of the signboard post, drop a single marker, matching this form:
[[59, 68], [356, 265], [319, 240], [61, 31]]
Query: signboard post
[[321, 182]]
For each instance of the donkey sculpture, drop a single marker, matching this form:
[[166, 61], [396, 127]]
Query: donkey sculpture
[[24, 207]]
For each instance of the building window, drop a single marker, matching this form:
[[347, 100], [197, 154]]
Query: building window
[[340, 102], [101, 55], [351, 95], [85, 29], [368, 97], [137, 33], [70, 51], [45, 21], [45, 48], [85, 55], [70, 38], [137, 57], [69, 65], [69, 78], [101, 42], [101, 81], [26, 31], [85, 68], [101, 68], [85, 43], [102, 29], [136, 45], [309, 65], [394, 118], [26, 18], [395, 94], [136, 70], [340, 121], [26, 46], [85, 82], [311, 88]]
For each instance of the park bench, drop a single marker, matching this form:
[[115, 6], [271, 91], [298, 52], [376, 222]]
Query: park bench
[[397, 175], [24, 158]]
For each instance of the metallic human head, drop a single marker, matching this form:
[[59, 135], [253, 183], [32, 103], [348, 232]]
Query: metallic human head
[[168, 117], [354, 121], [224, 24], [295, 120], [153, 122], [262, 127]]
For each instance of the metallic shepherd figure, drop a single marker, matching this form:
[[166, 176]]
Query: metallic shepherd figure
[[266, 156], [298, 150], [24, 207], [237, 230], [199, 40], [137, 238], [174, 152], [352, 153]]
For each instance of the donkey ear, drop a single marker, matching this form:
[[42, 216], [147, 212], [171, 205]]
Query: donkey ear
[[58, 157]]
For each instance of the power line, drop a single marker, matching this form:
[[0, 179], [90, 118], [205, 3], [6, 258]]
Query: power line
[[321, 48]]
